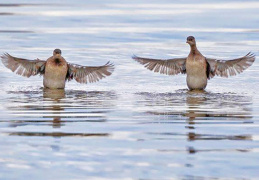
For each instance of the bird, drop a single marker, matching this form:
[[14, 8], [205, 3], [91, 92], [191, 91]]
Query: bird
[[198, 68], [56, 70]]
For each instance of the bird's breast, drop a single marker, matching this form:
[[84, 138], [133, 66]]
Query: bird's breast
[[196, 72], [196, 66]]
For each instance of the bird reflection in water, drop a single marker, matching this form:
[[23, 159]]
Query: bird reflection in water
[[197, 105], [193, 103], [192, 108], [55, 95], [56, 107]]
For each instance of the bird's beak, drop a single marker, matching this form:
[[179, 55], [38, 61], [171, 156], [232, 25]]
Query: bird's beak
[[186, 41]]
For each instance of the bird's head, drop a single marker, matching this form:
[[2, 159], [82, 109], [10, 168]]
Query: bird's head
[[191, 40], [57, 52]]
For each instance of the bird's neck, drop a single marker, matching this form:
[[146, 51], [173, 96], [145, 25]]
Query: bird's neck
[[194, 49]]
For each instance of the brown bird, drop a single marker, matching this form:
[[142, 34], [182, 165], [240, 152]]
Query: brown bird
[[56, 70], [197, 67]]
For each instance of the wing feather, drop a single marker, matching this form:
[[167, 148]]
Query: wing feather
[[89, 74], [23, 67], [169, 66], [226, 68]]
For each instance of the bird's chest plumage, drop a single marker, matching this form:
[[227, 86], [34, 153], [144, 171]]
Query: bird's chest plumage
[[196, 65], [196, 72], [55, 74]]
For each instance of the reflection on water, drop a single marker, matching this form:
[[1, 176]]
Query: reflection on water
[[172, 126], [198, 105], [193, 137], [196, 109], [56, 134], [57, 108], [183, 128], [56, 96]]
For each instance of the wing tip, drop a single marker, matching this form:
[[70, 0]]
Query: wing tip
[[5, 55], [251, 57], [111, 66], [136, 58], [250, 54], [133, 56]]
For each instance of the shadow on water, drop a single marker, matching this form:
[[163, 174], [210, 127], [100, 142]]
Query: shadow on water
[[56, 108]]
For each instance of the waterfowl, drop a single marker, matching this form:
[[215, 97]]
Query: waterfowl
[[56, 70], [197, 67]]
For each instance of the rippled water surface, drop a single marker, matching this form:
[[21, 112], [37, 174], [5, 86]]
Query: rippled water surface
[[134, 124]]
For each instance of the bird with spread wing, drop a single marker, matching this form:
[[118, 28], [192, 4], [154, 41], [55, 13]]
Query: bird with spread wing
[[197, 67], [56, 70]]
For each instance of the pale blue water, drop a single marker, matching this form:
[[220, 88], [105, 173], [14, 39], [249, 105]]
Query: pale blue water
[[134, 124]]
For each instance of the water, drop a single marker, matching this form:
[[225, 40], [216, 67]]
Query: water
[[134, 124]]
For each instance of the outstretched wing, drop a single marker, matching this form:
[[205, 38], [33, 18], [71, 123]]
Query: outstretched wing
[[169, 66], [89, 74], [23, 67], [226, 68]]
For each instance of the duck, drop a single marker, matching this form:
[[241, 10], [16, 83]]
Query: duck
[[198, 68], [56, 71]]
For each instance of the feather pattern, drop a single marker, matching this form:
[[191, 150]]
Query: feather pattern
[[23, 67], [226, 68], [89, 74], [168, 67]]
